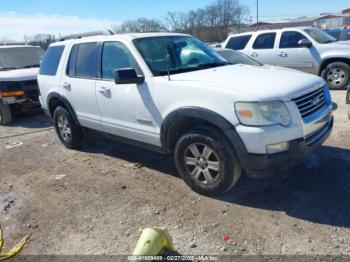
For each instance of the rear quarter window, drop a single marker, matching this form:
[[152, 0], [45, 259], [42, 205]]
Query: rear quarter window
[[51, 60]]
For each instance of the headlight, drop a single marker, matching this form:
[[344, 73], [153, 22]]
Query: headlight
[[263, 113]]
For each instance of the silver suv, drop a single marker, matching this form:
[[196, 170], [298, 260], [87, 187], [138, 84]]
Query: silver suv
[[306, 49]]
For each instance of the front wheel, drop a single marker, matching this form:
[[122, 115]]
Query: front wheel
[[5, 114], [206, 161], [337, 75]]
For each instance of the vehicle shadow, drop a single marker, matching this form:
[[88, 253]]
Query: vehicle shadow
[[97, 144], [317, 191], [34, 118]]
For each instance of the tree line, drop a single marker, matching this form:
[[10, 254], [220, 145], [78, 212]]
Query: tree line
[[211, 23]]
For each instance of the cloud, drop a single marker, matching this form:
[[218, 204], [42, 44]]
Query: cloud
[[14, 25]]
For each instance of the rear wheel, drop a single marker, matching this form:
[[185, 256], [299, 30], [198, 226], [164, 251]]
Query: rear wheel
[[67, 130], [206, 161], [5, 114], [337, 75]]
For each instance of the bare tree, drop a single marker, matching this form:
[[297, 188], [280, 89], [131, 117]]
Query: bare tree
[[141, 25], [211, 23], [42, 40]]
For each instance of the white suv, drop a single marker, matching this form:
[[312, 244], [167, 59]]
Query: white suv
[[171, 93]]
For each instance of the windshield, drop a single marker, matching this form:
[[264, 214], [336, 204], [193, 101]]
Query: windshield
[[177, 54], [20, 57], [235, 57], [320, 36]]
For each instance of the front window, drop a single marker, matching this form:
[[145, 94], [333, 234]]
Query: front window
[[320, 36], [177, 54], [20, 57]]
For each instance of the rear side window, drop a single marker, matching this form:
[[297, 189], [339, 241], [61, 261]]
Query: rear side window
[[239, 42], [83, 61], [291, 39], [51, 60], [265, 41]]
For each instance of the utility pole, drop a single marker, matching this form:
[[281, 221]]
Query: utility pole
[[257, 15]]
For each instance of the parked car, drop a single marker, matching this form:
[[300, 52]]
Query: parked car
[[173, 94], [339, 34], [236, 57], [19, 66], [307, 49]]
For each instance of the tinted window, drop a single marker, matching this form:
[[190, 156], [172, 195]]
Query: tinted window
[[236, 57], [265, 41], [72, 61], [116, 56], [291, 39], [86, 60], [51, 60], [239, 42]]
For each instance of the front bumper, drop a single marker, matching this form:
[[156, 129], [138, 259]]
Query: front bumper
[[264, 164]]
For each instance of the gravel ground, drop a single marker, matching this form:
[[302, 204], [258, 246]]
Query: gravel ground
[[95, 201]]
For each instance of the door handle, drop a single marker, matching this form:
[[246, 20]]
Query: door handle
[[254, 55], [104, 90], [66, 85], [283, 54]]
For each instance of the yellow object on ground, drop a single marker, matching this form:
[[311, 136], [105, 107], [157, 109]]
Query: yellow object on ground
[[153, 242], [15, 250]]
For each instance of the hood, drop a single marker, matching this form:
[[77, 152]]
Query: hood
[[19, 74], [261, 82], [335, 46]]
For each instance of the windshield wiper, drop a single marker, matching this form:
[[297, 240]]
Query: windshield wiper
[[215, 64], [31, 66]]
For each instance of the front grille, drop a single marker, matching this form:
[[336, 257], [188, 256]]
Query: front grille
[[311, 103]]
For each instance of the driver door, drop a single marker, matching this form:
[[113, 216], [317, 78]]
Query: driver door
[[123, 107]]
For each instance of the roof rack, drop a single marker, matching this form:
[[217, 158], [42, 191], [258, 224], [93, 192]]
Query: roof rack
[[86, 34]]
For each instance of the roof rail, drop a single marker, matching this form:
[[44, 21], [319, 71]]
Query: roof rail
[[86, 34]]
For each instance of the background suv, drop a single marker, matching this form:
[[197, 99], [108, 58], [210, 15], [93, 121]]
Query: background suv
[[306, 49], [171, 93], [19, 67]]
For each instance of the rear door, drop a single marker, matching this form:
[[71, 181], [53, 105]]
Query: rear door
[[238, 42], [79, 83], [293, 56], [263, 48]]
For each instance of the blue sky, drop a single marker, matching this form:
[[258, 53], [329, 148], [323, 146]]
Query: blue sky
[[122, 10], [70, 16]]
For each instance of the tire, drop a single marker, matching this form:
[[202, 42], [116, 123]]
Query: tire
[[226, 167], [5, 114], [337, 75], [68, 131]]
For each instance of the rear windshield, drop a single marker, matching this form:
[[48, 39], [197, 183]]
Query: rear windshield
[[20, 57]]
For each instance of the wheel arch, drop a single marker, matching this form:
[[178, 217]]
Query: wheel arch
[[330, 60], [54, 100], [184, 119]]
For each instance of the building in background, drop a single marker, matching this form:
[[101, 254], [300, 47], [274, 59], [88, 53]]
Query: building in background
[[323, 21]]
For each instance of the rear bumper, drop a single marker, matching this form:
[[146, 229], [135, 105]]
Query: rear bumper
[[262, 165]]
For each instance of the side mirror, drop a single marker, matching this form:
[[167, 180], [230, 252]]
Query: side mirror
[[305, 43], [127, 76]]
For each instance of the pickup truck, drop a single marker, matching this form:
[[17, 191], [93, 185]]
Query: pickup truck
[[304, 48], [19, 66]]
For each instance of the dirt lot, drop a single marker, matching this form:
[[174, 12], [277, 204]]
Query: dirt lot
[[94, 201]]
